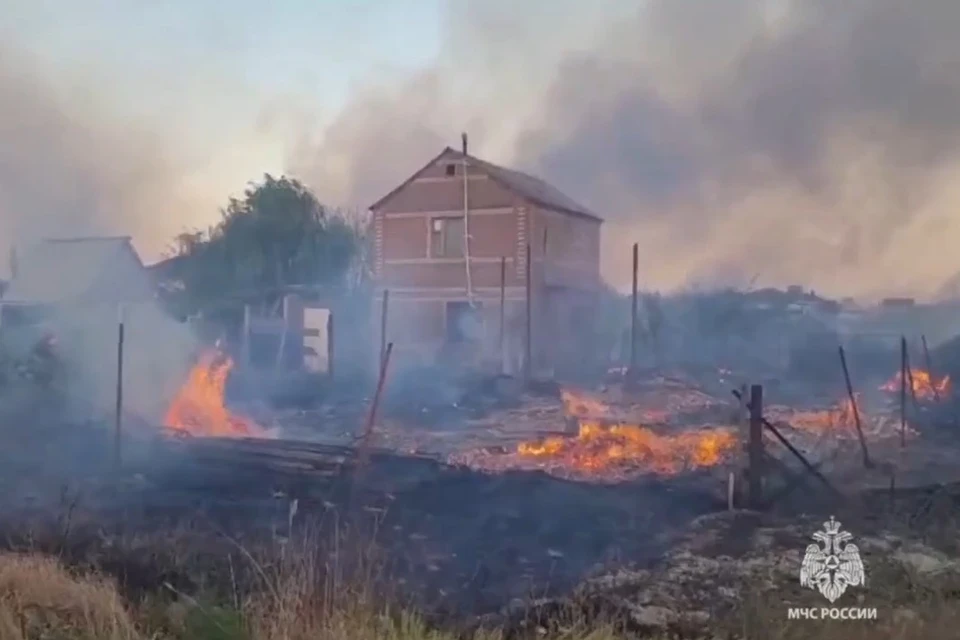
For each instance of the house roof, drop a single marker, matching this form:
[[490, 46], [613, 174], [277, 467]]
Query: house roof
[[522, 184], [62, 269]]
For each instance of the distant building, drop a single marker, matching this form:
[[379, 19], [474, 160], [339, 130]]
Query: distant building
[[79, 270], [445, 290], [69, 292]]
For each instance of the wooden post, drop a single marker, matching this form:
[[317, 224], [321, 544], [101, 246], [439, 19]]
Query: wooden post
[[929, 365], [903, 391], [383, 325], [528, 331], [755, 450], [856, 411], [743, 459], [786, 443], [119, 400], [633, 315], [330, 349], [503, 305]]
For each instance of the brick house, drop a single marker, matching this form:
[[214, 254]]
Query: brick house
[[441, 240]]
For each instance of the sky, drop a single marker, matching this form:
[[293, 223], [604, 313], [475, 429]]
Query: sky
[[768, 141], [146, 51], [226, 78]]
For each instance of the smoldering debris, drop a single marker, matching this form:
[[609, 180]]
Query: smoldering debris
[[460, 540]]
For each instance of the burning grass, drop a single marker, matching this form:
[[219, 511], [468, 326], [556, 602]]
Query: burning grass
[[199, 407], [922, 384], [599, 448], [610, 449]]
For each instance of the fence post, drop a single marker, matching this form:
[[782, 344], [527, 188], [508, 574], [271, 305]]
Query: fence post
[[755, 447], [632, 372], [118, 425], [528, 333], [383, 325]]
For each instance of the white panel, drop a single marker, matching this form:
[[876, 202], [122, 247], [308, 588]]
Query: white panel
[[316, 319]]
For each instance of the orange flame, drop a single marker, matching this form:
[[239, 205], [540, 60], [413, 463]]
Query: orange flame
[[579, 405], [819, 420], [600, 448], [925, 386], [199, 409]]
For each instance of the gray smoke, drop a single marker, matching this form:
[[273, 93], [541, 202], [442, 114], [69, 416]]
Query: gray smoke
[[71, 166], [783, 141], [68, 167]]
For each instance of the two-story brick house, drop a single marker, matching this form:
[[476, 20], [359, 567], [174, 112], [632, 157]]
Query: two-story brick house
[[441, 240]]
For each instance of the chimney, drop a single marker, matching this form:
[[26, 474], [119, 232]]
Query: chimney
[[463, 139]]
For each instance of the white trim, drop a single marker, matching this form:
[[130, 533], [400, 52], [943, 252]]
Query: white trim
[[451, 213]]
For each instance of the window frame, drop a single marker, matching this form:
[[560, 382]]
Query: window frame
[[444, 252]]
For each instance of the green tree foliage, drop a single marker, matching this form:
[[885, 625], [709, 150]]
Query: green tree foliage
[[278, 234]]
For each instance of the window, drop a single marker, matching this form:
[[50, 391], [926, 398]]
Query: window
[[446, 238], [451, 169]]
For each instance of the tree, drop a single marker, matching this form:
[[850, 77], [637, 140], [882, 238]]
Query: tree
[[278, 234]]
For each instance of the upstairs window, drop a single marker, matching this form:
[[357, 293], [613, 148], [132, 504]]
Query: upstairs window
[[451, 169], [446, 238]]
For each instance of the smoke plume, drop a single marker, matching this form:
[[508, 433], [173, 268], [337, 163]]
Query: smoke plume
[[776, 141], [69, 165]]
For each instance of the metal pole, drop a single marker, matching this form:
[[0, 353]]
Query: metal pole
[[856, 411], [375, 403], [245, 345], [633, 314], [363, 454], [756, 447], [528, 332], [503, 304], [330, 345], [383, 324], [466, 221], [903, 391], [119, 406]]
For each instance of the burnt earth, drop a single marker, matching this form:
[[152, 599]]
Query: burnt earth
[[458, 541]]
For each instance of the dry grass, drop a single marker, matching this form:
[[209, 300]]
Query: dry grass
[[41, 599], [304, 599]]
